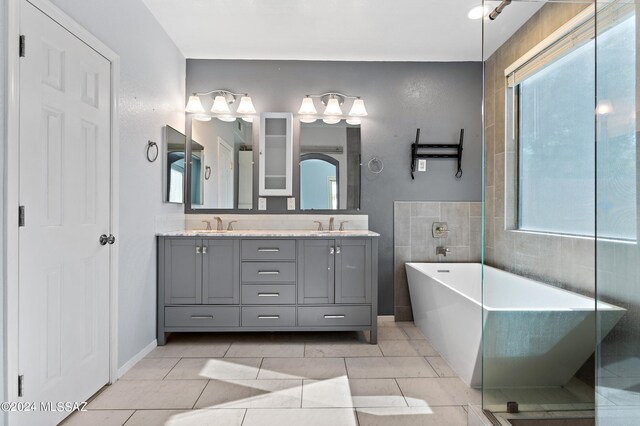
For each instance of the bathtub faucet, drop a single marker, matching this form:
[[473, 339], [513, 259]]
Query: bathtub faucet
[[442, 251]]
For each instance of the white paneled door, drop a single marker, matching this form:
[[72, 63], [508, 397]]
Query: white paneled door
[[65, 151]]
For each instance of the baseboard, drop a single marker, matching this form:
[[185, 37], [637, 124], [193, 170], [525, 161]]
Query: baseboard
[[137, 357], [384, 318]]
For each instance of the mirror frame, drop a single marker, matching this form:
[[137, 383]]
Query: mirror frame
[[254, 209]]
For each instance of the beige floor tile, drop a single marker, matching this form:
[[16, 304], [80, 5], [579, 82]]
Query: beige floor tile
[[431, 392], [302, 368], [388, 367], [225, 417], [98, 418], [397, 348], [341, 350], [272, 349], [441, 366], [392, 333], [413, 333], [149, 394], [301, 416], [150, 369], [215, 368], [424, 348], [251, 394], [181, 349], [376, 393], [328, 393], [412, 416]]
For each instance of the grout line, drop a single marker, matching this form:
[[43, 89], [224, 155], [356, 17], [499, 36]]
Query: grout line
[[200, 396], [259, 368], [171, 369], [244, 416], [395, 379], [129, 418], [227, 350]]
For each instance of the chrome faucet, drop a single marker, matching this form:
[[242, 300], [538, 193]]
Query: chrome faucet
[[218, 223], [230, 225], [442, 251], [320, 228], [342, 224], [208, 224], [331, 224]]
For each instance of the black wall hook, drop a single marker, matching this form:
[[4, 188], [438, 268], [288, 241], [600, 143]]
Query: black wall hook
[[416, 147]]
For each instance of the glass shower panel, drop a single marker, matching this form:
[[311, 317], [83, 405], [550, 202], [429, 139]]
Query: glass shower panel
[[617, 265], [539, 307]]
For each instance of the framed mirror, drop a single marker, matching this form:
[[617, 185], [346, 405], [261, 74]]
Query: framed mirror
[[174, 167], [329, 166], [221, 165]]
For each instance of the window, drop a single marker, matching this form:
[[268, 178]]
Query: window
[[552, 98]]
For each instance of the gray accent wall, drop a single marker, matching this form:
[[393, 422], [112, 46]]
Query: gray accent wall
[[152, 77], [440, 98]]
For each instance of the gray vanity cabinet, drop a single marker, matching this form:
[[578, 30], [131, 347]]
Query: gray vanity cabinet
[[316, 271], [353, 270], [221, 272], [182, 271]]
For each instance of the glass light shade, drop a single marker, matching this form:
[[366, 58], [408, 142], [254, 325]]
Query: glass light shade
[[247, 119], [307, 107], [202, 117], [308, 119], [220, 105], [604, 107], [354, 121], [333, 107], [246, 106], [478, 12], [226, 118], [358, 109], [194, 105], [331, 120]]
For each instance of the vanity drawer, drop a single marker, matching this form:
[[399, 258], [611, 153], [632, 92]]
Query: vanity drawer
[[201, 316], [334, 315], [269, 250], [268, 272], [268, 294], [268, 316]]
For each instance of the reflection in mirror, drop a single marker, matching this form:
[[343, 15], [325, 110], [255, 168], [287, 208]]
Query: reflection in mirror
[[329, 166], [222, 168], [174, 172]]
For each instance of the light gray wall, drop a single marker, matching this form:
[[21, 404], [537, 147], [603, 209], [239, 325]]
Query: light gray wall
[[3, 138], [151, 95], [440, 98]]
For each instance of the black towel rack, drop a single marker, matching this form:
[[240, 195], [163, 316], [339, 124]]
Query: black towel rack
[[416, 154]]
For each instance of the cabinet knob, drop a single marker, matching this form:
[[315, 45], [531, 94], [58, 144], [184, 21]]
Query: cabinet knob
[[331, 250]]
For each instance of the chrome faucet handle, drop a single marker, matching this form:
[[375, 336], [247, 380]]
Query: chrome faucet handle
[[320, 228], [218, 223], [331, 223], [342, 224], [442, 251], [230, 225], [208, 224]]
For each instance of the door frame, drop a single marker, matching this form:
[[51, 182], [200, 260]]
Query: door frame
[[12, 157], [224, 145]]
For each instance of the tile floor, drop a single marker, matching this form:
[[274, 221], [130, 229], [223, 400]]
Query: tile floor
[[262, 379]]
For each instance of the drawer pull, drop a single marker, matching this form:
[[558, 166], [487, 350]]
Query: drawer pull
[[268, 272], [333, 316], [268, 316], [268, 294], [201, 316], [269, 250]]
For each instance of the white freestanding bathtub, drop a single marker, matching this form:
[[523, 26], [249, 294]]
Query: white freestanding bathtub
[[536, 335]]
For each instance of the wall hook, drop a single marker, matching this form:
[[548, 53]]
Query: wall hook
[[152, 151]]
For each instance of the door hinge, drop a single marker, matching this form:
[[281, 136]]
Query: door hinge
[[22, 48], [20, 384], [21, 216]]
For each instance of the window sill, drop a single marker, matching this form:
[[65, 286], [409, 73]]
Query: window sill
[[576, 237]]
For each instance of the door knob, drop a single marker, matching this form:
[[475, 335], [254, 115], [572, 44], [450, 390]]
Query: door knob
[[111, 239], [104, 239]]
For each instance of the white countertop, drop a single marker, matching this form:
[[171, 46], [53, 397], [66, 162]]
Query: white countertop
[[269, 233]]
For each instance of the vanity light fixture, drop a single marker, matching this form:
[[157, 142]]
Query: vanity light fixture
[[332, 113], [221, 100]]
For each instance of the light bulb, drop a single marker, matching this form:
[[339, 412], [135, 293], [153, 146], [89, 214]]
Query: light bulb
[[478, 12], [246, 106], [331, 120], [354, 121], [220, 105], [358, 109], [202, 117], [194, 105], [333, 107], [604, 107], [307, 107]]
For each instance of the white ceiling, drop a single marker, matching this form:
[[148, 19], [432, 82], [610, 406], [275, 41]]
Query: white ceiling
[[348, 30]]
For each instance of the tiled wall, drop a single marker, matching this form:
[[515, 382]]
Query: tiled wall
[[413, 240]]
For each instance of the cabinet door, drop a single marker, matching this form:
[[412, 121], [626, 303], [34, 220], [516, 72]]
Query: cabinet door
[[221, 272], [316, 271], [182, 271], [353, 271], [276, 154]]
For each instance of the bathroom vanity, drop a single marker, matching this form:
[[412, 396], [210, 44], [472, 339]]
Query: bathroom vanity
[[267, 281]]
